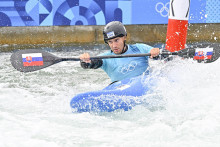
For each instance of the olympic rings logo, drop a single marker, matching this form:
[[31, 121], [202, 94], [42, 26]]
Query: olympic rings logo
[[128, 67], [162, 9]]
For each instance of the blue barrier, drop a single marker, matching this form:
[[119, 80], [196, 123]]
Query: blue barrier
[[99, 12]]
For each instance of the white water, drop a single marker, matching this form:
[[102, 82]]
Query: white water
[[35, 111]]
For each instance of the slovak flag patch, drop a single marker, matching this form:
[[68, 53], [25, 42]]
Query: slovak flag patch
[[33, 59], [203, 53]]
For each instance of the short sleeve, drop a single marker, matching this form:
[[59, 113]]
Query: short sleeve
[[144, 48]]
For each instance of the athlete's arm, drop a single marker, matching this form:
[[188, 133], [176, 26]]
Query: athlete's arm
[[86, 62]]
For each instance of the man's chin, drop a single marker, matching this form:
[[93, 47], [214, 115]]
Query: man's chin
[[116, 52]]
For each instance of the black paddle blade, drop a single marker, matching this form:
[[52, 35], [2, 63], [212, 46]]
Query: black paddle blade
[[32, 60], [203, 53]]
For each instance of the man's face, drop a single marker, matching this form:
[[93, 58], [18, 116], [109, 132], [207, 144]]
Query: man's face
[[117, 44]]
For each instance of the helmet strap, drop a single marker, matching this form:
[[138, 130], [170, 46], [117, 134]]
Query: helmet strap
[[125, 48]]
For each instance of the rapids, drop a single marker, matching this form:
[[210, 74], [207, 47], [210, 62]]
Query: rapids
[[35, 109]]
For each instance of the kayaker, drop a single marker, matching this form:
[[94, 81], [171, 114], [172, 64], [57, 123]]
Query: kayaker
[[115, 36]]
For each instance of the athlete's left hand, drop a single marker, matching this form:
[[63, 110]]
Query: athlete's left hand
[[154, 52]]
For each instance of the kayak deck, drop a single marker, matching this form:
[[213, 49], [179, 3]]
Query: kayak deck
[[120, 95]]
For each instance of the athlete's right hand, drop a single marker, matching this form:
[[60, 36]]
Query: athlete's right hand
[[85, 58]]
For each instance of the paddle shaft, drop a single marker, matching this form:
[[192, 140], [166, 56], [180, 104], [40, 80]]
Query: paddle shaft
[[118, 56]]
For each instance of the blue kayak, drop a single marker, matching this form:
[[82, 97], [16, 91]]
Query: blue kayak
[[119, 95]]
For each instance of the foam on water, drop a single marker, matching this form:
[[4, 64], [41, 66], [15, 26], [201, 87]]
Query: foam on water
[[35, 111]]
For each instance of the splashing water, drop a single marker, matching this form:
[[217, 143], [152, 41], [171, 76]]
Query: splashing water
[[35, 111]]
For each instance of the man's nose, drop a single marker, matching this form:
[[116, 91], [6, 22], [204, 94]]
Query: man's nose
[[114, 44]]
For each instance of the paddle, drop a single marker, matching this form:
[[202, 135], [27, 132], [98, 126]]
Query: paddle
[[203, 53], [33, 59]]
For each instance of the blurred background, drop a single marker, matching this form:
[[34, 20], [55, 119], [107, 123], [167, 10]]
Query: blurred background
[[58, 23]]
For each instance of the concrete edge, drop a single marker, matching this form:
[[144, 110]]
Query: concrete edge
[[54, 36]]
